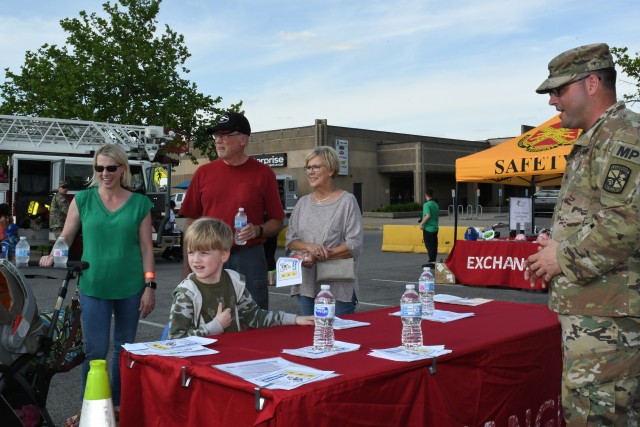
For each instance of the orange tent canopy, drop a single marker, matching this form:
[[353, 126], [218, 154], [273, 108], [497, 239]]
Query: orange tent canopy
[[535, 158]]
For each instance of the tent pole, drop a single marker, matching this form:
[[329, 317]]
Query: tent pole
[[533, 206], [455, 215]]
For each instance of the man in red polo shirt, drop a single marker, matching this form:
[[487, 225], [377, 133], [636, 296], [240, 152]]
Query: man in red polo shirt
[[233, 181]]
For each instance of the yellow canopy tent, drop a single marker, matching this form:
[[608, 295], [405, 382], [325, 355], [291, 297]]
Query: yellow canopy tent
[[535, 158]]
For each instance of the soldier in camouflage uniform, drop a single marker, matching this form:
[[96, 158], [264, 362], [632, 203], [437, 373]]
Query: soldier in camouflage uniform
[[212, 300], [59, 209], [592, 261]]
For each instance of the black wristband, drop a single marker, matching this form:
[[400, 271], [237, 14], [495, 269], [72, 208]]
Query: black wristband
[[261, 231], [151, 285]]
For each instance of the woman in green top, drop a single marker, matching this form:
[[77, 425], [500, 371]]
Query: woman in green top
[[116, 234], [429, 225]]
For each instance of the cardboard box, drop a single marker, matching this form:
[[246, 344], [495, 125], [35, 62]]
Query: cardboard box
[[444, 275]]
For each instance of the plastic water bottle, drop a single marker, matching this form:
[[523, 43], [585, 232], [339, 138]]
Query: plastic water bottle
[[23, 252], [427, 288], [324, 314], [6, 249], [411, 313], [60, 253], [239, 223]]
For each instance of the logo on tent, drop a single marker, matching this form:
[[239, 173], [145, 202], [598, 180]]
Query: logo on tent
[[548, 138]]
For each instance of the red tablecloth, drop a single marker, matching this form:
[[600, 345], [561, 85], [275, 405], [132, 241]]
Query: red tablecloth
[[491, 262], [505, 368]]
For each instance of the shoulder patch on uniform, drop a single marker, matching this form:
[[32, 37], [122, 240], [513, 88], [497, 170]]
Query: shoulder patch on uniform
[[626, 152], [617, 178]]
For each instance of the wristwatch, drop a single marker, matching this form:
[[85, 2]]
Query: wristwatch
[[152, 285]]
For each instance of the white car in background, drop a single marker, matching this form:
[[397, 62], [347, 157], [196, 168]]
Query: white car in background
[[177, 198]]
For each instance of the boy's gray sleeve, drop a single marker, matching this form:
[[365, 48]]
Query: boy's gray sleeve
[[253, 316]]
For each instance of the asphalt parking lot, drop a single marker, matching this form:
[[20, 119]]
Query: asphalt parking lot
[[382, 277]]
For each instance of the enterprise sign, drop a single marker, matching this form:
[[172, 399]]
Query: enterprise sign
[[275, 160]]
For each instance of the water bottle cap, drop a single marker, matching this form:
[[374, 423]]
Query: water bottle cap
[[410, 286], [325, 287], [241, 209], [23, 237]]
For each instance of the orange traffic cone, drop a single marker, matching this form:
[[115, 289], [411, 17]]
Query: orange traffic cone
[[97, 407]]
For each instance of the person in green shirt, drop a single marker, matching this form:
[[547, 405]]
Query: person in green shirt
[[212, 300], [116, 242], [429, 225]]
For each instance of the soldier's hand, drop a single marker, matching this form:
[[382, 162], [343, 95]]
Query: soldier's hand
[[543, 264]]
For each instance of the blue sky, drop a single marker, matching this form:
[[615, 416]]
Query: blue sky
[[457, 69]]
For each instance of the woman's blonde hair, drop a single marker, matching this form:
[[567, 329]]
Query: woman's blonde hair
[[118, 154], [328, 156], [206, 234]]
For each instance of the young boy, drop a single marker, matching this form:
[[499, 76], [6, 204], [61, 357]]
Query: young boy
[[212, 300]]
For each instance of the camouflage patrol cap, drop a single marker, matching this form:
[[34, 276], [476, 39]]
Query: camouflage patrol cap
[[564, 67], [63, 184]]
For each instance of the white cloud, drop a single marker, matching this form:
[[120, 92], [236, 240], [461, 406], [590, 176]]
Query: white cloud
[[294, 36]]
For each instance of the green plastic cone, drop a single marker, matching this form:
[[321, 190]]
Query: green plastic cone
[[98, 387]]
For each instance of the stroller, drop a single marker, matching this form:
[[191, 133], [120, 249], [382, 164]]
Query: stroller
[[27, 342]]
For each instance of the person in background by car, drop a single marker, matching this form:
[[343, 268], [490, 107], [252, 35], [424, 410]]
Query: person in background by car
[[59, 209]]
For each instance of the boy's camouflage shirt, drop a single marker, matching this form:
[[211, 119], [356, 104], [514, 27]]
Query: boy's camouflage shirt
[[186, 311]]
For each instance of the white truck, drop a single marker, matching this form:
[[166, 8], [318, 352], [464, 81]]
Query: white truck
[[41, 152]]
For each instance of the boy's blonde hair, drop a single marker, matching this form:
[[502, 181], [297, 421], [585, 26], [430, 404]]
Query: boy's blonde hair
[[206, 234]]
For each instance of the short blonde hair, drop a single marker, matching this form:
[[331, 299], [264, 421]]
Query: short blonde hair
[[118, 154], [206, 234], [327, 155]]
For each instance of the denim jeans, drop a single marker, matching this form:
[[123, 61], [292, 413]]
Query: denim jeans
[[431, 244], [306, 305], [96, 328], [252, 264]]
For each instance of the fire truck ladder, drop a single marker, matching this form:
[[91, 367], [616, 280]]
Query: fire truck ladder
[[44, 135]]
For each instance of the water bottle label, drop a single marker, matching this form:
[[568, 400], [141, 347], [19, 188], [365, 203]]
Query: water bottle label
[[426, 286], [324, 311], [60, 252], [23, 252], [240, 224], [411, 310]]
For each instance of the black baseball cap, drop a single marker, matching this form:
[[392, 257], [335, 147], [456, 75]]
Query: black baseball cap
[[231, 122]]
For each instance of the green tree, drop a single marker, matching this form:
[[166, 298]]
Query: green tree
[[119, 69], [631, 67]]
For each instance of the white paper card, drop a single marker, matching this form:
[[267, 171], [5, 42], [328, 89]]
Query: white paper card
[[310, 353], [288, 272]]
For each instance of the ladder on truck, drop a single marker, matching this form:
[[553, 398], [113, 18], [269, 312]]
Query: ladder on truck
[[77, 137]]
